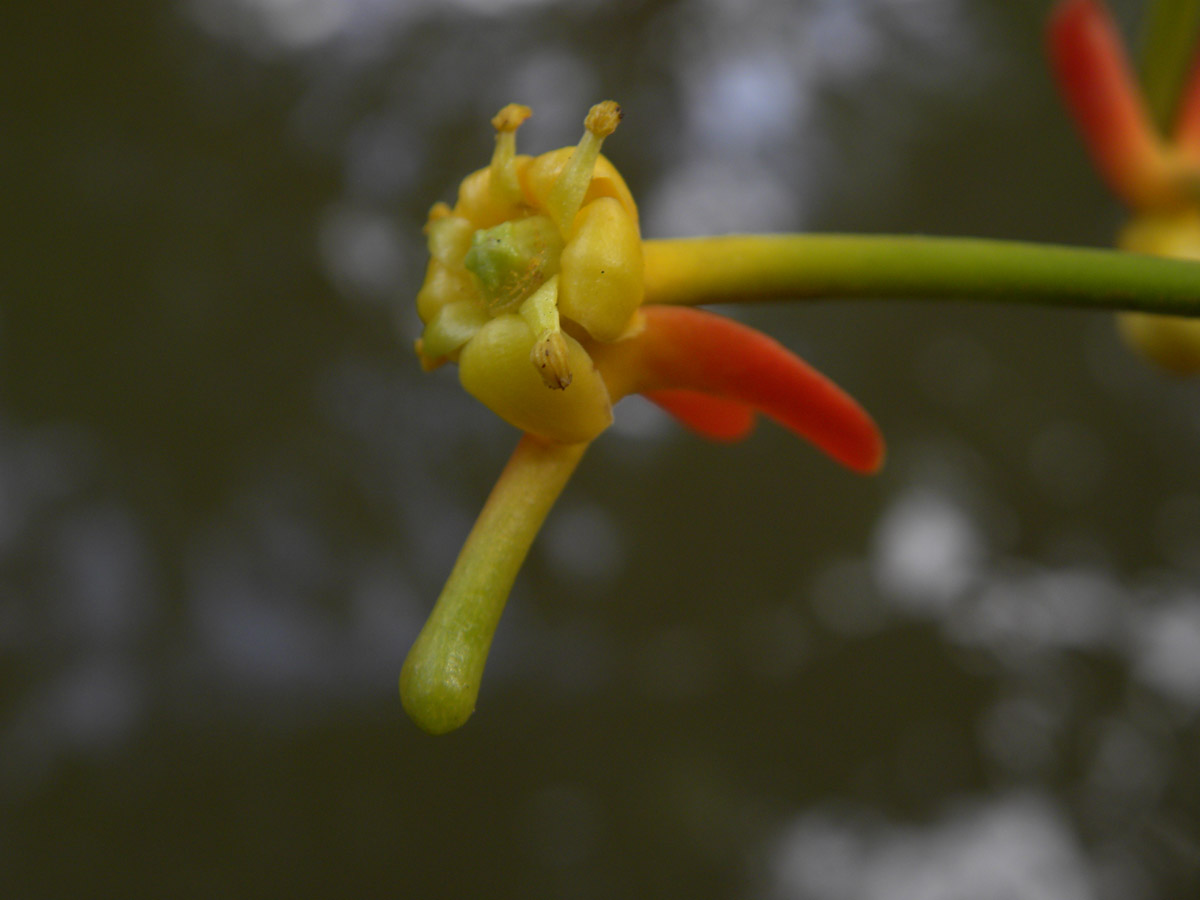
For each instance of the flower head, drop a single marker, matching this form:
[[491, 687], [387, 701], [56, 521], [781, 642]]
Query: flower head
[[536, 287], [1159, 179], [537, 256]]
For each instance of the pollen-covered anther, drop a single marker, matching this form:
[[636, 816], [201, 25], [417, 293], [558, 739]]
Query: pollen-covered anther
[[603, 118], [549, 354], [511, 117]]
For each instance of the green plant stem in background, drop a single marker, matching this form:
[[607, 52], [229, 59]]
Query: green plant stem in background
[[1167, 46], [440, 678], [738, 268]]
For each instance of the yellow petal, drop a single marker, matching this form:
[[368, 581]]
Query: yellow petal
[[540, 174], [449, 237], [486, 205], [444, 285], [452, 327], [600, 286], [495, 368]]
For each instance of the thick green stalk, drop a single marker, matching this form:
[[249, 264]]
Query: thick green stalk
[[440, 678], [1167, 47], [737, 268]]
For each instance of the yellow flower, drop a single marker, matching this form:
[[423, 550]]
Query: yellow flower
[[535, 287], [1158, 179], [530, 243]]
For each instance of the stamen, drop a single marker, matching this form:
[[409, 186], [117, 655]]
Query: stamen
[[504, 183], [550, 356], [566, 197], [509, 119], [549, 351]]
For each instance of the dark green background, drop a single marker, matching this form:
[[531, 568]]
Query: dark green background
[[228, 495]]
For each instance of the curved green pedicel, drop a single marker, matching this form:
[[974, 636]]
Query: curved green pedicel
[[440, 678], [749, 268]]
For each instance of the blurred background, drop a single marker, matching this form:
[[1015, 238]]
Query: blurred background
[[229, 496]]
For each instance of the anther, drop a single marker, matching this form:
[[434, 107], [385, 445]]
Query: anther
[[511, 117], [549, 354], [603, 118]]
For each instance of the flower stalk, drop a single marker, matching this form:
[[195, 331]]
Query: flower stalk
[[441, 676], [753, 268]]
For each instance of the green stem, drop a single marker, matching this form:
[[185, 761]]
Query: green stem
[[440, 678], [1167, 46], [740, 268]]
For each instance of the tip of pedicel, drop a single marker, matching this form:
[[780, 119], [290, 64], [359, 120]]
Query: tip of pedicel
[[436, 706]]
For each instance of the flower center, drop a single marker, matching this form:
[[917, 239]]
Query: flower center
[[513, 259]]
